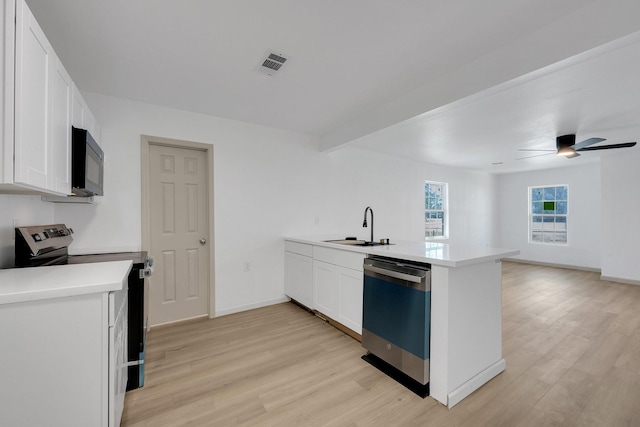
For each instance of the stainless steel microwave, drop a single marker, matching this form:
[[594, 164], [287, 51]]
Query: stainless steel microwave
[[87, 164]]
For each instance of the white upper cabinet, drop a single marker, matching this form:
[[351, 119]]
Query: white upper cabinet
[[7, 41], [42, 134], [60, 130], [82, 117], [34, 70], [39, 103]]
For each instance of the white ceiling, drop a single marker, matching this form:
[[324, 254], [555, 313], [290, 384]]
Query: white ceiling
[[596, 94], [462, 83]]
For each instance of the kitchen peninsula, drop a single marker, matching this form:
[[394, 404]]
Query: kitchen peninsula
[[466, 297]]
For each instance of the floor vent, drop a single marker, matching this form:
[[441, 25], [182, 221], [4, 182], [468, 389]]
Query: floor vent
[[272, 63]]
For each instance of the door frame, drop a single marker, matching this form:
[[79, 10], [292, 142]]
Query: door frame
[[145, 142]]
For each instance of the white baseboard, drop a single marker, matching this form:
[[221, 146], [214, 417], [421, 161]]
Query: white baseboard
[[549, 264], [475, 383], [175, 321], [619, 280], [240, 308], [573, 267]]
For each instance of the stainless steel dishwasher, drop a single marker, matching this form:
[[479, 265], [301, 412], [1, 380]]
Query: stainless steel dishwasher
[[396, 319]]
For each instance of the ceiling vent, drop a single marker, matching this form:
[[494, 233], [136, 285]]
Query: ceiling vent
[[272, 63]]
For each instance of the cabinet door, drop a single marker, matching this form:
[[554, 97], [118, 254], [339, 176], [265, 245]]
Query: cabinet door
[[290, 275], [91, 124], [118, 369], [298, 281], [82, 117], [56, 371], [34, 65], [305, 279], [326, 287], [77, 107], [7, 68], [350, 310], [60, 127]]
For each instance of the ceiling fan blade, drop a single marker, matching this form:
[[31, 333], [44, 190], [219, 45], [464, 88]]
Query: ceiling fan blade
[[587, 142], [537, 155], [574, 155], [608, 147], [530, 149]]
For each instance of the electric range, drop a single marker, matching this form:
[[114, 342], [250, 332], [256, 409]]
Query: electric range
[[44, 245]]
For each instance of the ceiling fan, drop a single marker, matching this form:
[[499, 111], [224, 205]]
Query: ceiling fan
[[566, 146]]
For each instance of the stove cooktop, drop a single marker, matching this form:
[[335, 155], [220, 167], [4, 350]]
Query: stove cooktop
[[136, 257], [42, 245]]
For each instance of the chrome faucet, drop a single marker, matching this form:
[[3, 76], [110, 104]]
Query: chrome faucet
[[364, 223]]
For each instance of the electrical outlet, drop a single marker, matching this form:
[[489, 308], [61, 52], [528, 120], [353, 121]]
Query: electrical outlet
[[246, 266], [317, 220]]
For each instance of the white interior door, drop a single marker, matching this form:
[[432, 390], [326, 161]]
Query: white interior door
[[179, 225]]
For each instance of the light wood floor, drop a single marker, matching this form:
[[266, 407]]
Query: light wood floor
[[571, 342]]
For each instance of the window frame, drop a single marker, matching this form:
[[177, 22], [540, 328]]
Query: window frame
[[444, 210], [543, 215]]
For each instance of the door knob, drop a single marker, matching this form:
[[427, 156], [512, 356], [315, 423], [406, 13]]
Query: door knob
[[203, 241]]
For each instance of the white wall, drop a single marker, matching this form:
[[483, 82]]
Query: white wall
[[394, 188], [584, 246], [268, 183], [620, 209]]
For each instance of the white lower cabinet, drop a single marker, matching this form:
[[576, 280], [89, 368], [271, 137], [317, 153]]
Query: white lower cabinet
[[298, 272], [298, 280], [326, 280], [64, 361], [337, 285], [326, 293], [118, 372], [338, 293], [350, 306]]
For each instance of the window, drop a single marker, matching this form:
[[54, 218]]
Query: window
[[435, 210], [548, 214]]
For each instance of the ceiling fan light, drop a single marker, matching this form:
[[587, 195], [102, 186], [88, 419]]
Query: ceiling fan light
[[566, 152]]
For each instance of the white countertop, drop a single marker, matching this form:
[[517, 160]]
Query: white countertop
[[37, 283], [433, 253]]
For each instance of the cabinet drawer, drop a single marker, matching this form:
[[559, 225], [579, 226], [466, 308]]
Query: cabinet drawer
[[298, 248], [347, 259]]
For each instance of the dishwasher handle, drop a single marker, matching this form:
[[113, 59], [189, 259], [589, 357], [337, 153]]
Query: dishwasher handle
[[416, 276], [394, 274]]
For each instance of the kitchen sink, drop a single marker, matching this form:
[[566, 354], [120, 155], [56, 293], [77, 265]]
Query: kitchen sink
[[354, 242]]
